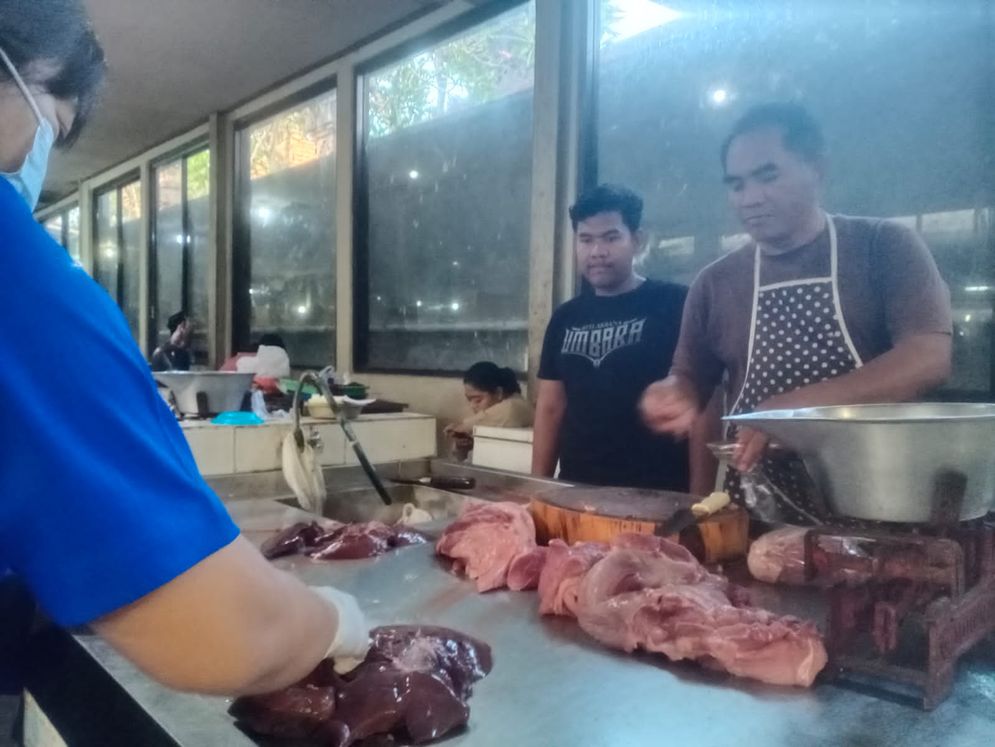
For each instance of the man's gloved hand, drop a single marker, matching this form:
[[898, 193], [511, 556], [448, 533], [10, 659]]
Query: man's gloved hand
[[352, 636]]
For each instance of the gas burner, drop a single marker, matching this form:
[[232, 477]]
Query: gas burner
[[906, 602]]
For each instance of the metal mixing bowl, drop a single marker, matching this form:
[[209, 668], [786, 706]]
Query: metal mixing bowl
[[885, 462]]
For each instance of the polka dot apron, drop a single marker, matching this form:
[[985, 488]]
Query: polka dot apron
[[798, 336]]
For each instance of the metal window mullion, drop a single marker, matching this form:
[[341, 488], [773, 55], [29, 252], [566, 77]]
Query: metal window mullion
[[345, 150], [143, 255], [119, 279], [241, 257], [185, 248], [360, 232], [220, 220], [562, 54], [152, 338]]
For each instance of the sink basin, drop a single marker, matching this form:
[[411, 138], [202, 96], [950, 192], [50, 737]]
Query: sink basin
[[363, 504]]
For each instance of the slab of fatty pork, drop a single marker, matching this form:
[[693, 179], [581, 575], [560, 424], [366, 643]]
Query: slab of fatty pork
[[486, 539], [525, 570], [652, 594], [560, 578]]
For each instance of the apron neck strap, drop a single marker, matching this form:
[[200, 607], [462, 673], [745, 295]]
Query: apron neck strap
[[833, 253]]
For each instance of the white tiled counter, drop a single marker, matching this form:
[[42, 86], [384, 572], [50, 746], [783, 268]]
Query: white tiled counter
[[226, 449], [503, 448]]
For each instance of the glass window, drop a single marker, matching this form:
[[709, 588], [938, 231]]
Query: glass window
[[54, 227], [181, 249], [71, 234], [106, 260], [64, 228], [285, 243], [118, 239], [447, 148], [910, 135]]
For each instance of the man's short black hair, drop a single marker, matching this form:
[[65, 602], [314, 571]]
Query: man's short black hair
[[52, 45], [175, 321], [609, 198], [802, 135]]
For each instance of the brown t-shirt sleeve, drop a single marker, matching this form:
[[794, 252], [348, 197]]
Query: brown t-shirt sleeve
[[695, 356], [916, 299]]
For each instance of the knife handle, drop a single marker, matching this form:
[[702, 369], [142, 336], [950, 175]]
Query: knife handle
[[452, 483], [708, 506]]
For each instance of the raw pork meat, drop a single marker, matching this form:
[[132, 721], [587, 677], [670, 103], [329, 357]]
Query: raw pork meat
[[778, 557], [525, 570], [565, 567], [485, 540], [414, 685], [340, 541], [660, 599]]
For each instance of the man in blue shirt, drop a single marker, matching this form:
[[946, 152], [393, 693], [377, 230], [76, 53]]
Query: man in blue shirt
[[103, 515]]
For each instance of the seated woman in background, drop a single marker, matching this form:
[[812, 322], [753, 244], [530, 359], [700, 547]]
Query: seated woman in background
[[495, 398]]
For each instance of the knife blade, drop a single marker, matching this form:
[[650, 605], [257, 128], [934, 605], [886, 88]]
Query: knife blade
[[687, 517], [441, 482]]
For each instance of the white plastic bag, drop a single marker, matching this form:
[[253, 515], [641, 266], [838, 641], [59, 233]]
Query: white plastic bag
[[302, 472]]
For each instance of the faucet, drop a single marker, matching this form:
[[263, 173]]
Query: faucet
[[314, 439], [320, 380]]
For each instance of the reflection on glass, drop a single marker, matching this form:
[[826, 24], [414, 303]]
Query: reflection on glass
[[54, 227], [63, 227], [909, 134], [131, 243], [107, 249], [198, 197], [72, 232], [181, 251], [118, 242], [170, 243], [286, 280], [448, 152]]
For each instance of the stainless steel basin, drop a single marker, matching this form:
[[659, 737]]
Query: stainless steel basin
[[893, 462], [219, 391], [363, 504]]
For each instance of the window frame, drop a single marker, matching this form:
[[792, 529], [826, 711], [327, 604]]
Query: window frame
[[361, 181], [241, 247]]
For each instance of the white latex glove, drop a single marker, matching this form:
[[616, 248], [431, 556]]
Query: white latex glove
[[352, 637]]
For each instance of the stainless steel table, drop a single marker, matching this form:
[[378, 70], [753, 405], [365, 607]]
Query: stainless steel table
[[552, 686]]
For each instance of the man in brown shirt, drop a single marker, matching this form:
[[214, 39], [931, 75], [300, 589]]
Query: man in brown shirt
[[815, 310]]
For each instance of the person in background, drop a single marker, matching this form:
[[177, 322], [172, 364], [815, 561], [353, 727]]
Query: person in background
[[269, 361], [602, 349], [120, 531], [495, 398], [815, 309], [174, 354]]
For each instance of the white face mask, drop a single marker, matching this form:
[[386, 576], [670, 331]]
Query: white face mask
[[28, 179]]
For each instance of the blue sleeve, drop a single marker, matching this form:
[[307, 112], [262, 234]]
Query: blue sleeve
[[102, 502]]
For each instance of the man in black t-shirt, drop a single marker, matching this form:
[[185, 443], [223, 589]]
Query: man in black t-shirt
[[174, 354], [601, 350]]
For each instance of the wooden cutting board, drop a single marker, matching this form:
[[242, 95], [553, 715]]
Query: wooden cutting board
[[599, 514]]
